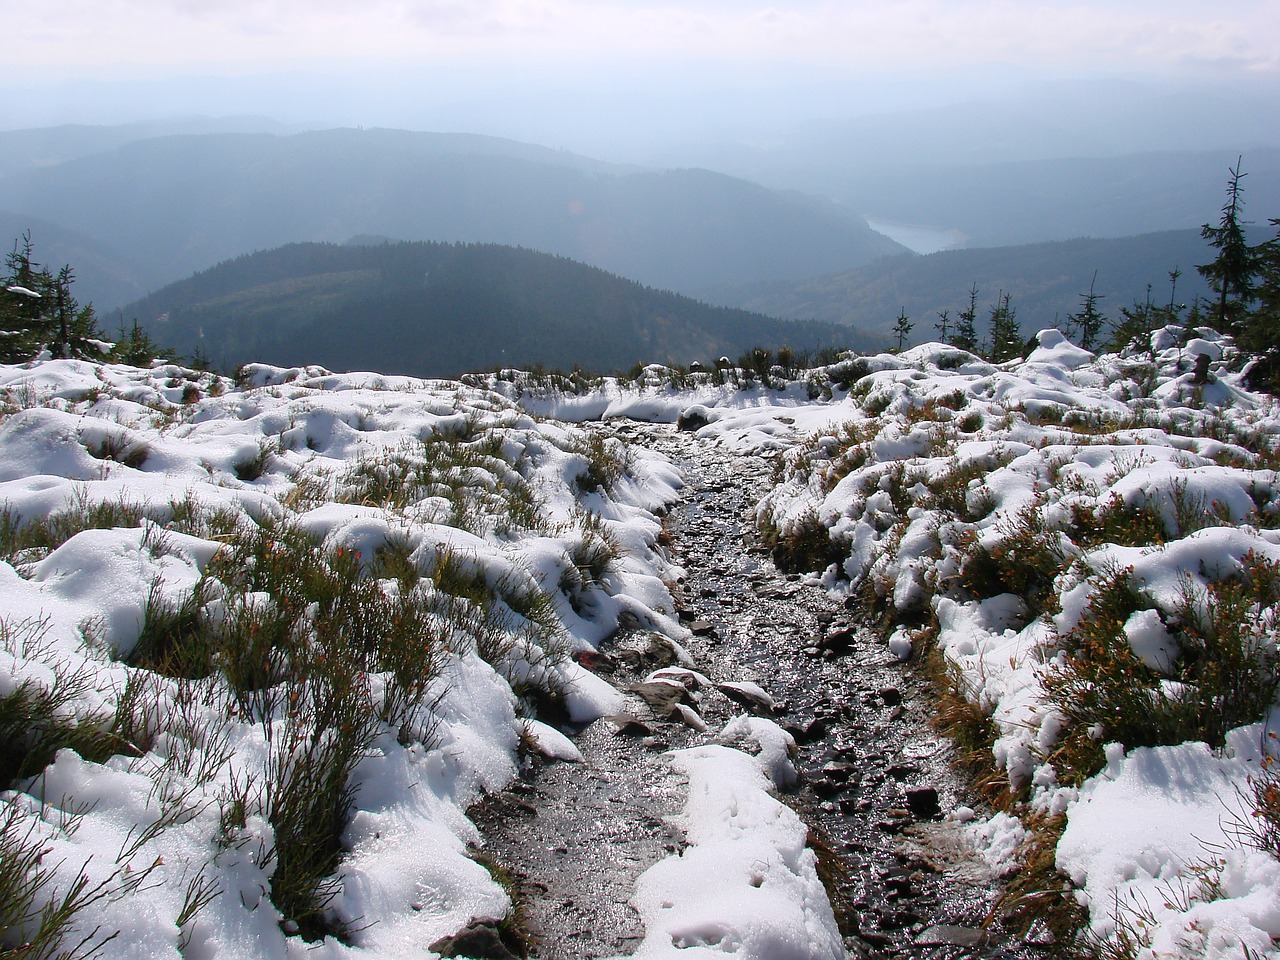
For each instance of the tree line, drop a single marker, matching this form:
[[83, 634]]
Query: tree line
[[1244, 278], [40, 317]]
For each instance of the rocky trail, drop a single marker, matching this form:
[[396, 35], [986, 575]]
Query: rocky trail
[[876, 783]]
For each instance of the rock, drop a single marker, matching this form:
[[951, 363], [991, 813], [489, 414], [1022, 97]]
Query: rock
[[689, 717], [749, 695], [702, 628], [901, 919], [625, 725], [839, 640], [694, 418], [825, 788], [948, 935], [480, 939], [661, 696], [1201, 374], [648, 651], [689, 679], [839, 771], [595, 661], [894, 823], [923, 803], [808, 731]]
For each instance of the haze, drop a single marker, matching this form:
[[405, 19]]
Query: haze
[[640, 82]]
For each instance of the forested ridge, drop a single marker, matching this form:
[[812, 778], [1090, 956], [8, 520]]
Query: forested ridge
[[440, 308]]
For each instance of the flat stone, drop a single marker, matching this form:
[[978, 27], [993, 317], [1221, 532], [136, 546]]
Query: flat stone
[[625, 725], [702, 628], [949, 935], [661, 696], [839, 771], [480, 940]]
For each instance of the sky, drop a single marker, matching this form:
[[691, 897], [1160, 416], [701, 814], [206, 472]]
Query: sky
[[145, 37], [617, 80]]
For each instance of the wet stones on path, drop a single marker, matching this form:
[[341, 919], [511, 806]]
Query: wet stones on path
[[876, 783]]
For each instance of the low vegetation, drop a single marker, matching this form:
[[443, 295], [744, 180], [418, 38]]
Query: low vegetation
[[310, 593], [1106, 555]]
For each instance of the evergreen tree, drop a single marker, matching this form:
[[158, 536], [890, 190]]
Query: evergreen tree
[[901, 327], [966, 334], [1135, 326], [1261, 333], [135, 347], [38, 312], [1089, 321], [1138, 322], [1267, 314], [943, 326], [1006, 339], [1231, 273]]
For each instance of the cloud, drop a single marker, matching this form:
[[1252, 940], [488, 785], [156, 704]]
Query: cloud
[[869, 34]]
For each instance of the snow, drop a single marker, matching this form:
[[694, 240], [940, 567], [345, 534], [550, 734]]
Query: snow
[[74, 613], [1152, 823], [746, 885], [912, 463]]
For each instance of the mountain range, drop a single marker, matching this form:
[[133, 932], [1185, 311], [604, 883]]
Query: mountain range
[[177, 204], [1045, 282], [439, 309]]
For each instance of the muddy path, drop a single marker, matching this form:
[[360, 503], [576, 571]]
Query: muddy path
[[876, 782]]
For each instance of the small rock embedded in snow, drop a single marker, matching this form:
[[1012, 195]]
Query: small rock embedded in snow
[[748, 694], [480, 939], [690, 717], [693, 418], [550, 742]]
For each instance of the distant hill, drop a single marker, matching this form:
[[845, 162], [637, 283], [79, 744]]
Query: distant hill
[[435, 309], [178, 204], [1045, 281], [37, 147], [103, 274], [1107, 157]]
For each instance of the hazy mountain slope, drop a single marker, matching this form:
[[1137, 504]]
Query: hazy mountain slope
[[1045, 281], [103, 273], [1037, 200], [179, 204], [1106, 158], [45, 146], [436, 309]]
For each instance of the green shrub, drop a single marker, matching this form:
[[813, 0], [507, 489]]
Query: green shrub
[[607, 463], [36, 720], [805, 547], [1025, 559], [37, 908], [1226, 672]]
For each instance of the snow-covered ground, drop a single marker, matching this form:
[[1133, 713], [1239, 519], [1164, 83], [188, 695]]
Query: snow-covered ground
[[987, 511], [1085, 540]]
